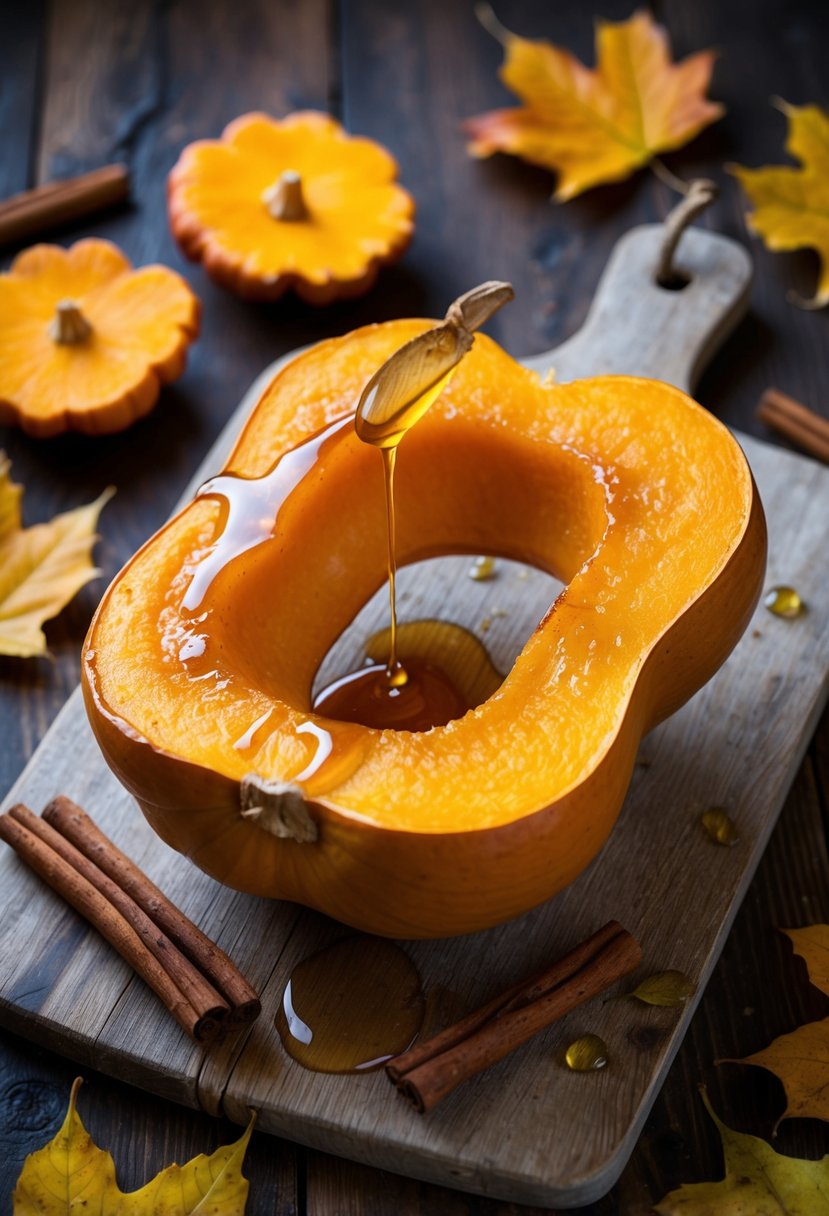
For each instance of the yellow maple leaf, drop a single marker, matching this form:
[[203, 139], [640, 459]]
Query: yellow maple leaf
[[791, 205], [594, 126], [801, 1059], [758, 1182], [41, 568], [10, 495], [71, 1174]]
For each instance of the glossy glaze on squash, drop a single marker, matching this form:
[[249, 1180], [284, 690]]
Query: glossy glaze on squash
[[292, 204], [625, 489]]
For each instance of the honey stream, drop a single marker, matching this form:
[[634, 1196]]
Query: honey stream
[[394, 400], [391, 404]]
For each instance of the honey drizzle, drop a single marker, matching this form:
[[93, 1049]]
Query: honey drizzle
[[395, 671], [387, 434], [251, 506]]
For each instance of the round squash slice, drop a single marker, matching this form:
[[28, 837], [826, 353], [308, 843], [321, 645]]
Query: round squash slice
[[86, 341], [295, 203], [199, 664]]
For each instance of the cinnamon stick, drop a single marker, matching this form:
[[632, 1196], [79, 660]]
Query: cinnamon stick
[[35, 211], [209, 1005], [805, 428], [76, 826], [429, 1071], [110, 923]]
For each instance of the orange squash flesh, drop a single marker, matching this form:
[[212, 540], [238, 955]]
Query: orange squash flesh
[[625, 489]]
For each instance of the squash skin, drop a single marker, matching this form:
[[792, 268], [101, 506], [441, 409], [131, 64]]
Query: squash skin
[[85, 388], [200, 241], [394, 880]]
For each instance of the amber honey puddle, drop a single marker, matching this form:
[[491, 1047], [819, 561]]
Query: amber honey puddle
[[351, 1006], [448, 672]]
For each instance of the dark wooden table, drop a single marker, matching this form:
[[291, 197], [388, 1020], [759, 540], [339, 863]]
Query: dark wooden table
[[82, 83]]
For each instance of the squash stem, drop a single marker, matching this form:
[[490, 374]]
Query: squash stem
[[69, 326], [284, 199]]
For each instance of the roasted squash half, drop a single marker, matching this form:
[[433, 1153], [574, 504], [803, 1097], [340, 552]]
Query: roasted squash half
[[199, 664]]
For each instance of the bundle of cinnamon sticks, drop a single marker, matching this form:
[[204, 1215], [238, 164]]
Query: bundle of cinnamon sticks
[[196, 980]]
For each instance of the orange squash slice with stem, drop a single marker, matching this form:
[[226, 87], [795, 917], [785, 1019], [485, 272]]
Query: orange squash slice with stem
[[199, 664], [296, 204], [86, 341]]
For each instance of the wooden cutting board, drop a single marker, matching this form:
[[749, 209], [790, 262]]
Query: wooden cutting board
[[527, 1130]]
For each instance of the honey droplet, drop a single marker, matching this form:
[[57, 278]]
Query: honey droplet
[[587, 1054], [666, 988], [483, 569], [784, 601], [351, 1006], [453, 650], [719, 825], [399, 677]]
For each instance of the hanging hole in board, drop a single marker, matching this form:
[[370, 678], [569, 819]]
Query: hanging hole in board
[[677, 280]]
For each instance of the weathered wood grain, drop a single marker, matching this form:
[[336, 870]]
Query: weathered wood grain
[[19, 94], [637, 327]]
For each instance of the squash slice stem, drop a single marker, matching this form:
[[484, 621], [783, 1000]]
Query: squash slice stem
[[69, 326], [285, 200]]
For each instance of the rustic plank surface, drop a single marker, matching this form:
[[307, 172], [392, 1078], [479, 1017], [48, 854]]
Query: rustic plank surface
[[20, 52], [352, 56]]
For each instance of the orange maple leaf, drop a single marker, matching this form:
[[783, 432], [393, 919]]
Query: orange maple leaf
[[594, 126], [801, 1059], [792, 204]]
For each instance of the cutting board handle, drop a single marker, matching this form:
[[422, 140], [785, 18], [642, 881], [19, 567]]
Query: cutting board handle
[[637, 328]]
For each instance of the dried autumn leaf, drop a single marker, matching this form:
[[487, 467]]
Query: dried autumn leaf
[[594, 126], [41, 568], [791, 205], [801, 1059], [68, 1172], [211, 1185], [812, 945], [758, 1182], [71, 1174]]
